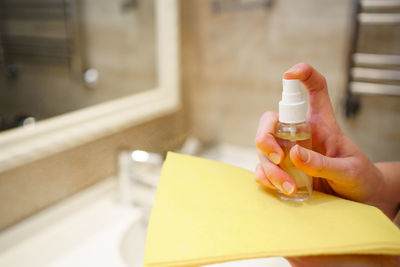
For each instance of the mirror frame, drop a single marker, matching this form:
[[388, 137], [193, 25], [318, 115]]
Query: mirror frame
[[20, 146]]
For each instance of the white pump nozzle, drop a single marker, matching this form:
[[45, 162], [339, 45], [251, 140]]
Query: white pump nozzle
[[292, 108]]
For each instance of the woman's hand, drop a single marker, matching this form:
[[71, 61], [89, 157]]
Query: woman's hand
[[338, 165]]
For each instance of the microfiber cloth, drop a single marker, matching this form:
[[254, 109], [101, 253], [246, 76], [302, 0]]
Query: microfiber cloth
[[208, 212]]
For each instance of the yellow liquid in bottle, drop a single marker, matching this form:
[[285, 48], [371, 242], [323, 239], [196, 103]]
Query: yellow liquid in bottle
[[287, 139]]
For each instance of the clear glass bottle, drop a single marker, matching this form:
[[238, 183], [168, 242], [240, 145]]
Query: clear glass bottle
[[288, 135], [293, 129]]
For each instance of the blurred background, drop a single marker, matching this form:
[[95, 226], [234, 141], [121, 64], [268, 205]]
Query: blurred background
[[61, 56]]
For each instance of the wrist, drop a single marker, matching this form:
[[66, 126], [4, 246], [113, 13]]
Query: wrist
[[386, 196]]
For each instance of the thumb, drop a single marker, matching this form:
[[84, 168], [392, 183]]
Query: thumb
[[317, 165]]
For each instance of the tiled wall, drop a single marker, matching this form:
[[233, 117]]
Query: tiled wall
[[237, 59], [233, 62]]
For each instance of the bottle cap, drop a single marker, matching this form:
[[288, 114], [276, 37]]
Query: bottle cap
[[292, 107]]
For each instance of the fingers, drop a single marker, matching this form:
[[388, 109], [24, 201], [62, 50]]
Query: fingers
[[271, 154], [316, 85], [315, 164], [265, 140], [272, 176], [261, 178], [311, 78]]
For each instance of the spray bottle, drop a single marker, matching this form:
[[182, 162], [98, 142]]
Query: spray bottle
[[293, 129]]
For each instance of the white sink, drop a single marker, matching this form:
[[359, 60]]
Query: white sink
[[84, 230], [132, 244]]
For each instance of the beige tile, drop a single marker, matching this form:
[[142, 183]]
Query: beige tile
[[240, 57]]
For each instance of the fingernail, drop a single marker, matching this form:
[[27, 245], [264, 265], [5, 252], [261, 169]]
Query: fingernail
[[288, 188], [274, 157], [303, 154], [257, 176], [292, 70]]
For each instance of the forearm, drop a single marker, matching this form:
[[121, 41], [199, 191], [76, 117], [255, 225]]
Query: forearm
[[391, 192]]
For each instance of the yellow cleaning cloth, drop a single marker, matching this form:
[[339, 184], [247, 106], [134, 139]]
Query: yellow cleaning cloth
[[207, 212]]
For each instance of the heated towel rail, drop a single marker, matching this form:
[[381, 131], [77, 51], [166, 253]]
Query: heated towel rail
[[374, 69]]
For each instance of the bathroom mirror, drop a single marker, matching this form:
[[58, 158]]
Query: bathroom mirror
[[139, 100], [59, 56]]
